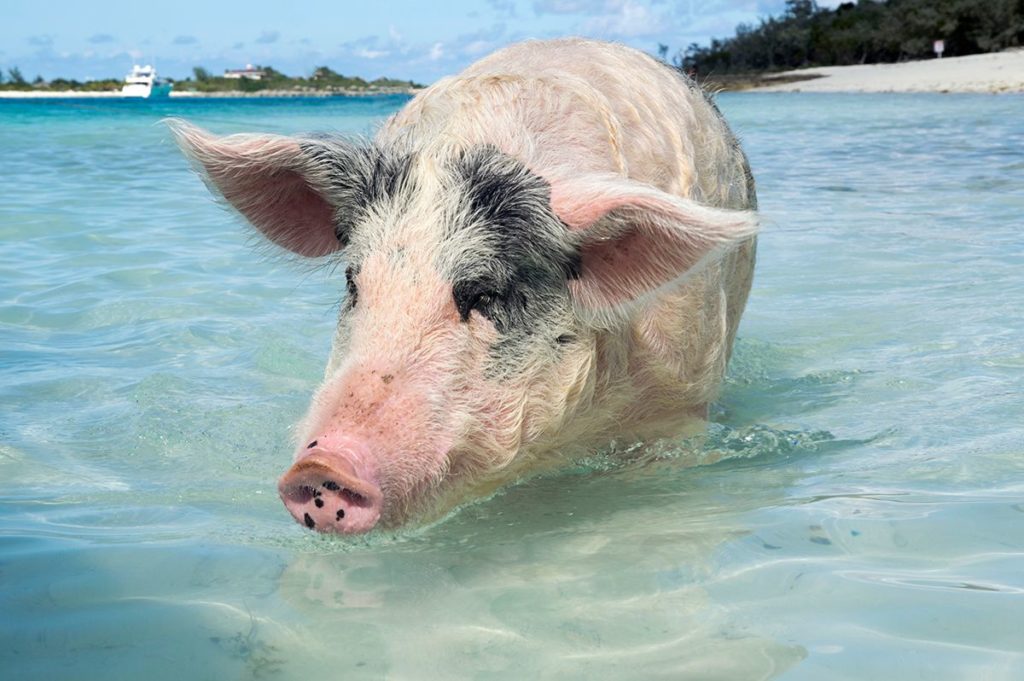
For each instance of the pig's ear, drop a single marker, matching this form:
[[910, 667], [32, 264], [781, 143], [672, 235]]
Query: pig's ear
[[635, 239], [269, 179]]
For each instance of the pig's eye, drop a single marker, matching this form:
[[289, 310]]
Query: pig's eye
[[350, 284], [473, 296]]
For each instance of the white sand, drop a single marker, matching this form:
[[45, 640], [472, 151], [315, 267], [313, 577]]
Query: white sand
[[998, 72]]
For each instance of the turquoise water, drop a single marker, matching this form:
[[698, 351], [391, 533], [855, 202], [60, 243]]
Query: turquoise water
[[856, 513]]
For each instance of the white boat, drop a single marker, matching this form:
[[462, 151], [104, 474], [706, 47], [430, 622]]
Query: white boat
[[143, 82]]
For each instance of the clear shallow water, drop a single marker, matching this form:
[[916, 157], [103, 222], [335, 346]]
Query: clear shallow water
[[857, 512]]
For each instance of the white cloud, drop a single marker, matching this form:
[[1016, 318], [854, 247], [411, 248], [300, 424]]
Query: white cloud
[[630, 19], [476, 47], [268, 37], [370, 54], [482, 41], [404, 49], [504, 8], [567, 7]]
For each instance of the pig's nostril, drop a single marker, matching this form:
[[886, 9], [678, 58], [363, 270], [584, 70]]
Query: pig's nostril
[[302, 494], [311, 445], [353, 498], [347, 495]]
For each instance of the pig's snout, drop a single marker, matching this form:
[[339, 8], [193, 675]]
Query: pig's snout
[[326, 491]]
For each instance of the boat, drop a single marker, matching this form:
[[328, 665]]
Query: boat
[[143, 82]]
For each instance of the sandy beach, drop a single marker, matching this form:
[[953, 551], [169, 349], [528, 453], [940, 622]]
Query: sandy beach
[[986, 73]]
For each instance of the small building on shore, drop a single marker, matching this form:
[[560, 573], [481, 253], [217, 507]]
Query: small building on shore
[[250, 72]]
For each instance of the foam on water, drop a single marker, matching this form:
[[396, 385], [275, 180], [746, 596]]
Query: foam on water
[[856, 509]]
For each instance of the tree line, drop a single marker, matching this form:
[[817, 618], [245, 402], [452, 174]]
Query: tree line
[[202, 80], [867, 31], [322, 78], [14, 80]]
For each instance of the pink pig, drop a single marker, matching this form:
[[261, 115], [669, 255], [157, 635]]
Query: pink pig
[[544, 253]]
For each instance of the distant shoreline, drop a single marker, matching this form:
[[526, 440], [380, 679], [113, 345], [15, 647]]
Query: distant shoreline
[[992, 73], [116, 94]]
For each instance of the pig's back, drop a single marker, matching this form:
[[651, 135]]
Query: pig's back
[[572, 105]]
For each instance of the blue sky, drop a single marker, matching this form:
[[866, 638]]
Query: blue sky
[[402, 39]]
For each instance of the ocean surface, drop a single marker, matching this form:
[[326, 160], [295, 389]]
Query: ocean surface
[[857, 511]]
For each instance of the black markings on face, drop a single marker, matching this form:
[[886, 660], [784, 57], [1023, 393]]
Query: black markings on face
[[340, 514], [310, 523], [474, 295], [332, 486], [529, 254], [574, 266], [319, 502], [507, 255], [354, 177], [502, 191], [350, 285]]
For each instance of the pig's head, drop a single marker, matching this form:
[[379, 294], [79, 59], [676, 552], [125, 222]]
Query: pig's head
[[477, 290]]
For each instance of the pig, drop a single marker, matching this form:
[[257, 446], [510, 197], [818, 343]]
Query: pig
[[543, 254]]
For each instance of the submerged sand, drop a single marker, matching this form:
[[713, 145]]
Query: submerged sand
[[988, 73]]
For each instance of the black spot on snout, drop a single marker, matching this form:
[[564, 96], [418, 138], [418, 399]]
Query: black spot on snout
[[310, 523]]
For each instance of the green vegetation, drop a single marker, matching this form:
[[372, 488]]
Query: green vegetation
[[16, 82], [322, 81], [867, 31]]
